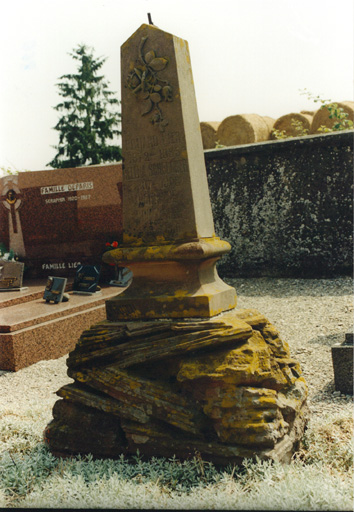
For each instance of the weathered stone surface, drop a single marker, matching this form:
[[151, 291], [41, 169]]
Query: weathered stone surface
[[155, 399], [79, 429], [239, 395], [164, 171], [286, 206], [92, 398], [156, 341], [169, 241]]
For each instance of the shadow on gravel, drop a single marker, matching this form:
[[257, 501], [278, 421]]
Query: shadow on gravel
[[330, 340], [288, 287], [326, 395]]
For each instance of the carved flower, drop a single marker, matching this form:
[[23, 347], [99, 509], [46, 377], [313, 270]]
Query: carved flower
[[145, 82]]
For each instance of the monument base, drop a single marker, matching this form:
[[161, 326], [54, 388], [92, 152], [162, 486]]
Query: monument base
[[225, 388], [171, 281]]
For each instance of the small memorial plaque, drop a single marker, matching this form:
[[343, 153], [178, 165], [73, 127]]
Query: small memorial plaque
[[122, 278], [54, 289], [11, 275], [86, 279]]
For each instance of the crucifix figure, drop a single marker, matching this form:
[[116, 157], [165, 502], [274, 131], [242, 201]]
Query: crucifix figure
[[11, 199]]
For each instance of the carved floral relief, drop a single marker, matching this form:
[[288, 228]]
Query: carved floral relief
[[145, 82]]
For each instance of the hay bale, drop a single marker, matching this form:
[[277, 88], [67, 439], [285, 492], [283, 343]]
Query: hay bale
[[242, 129], [208, 130], [321, 117], [286, 123], [270, 123]]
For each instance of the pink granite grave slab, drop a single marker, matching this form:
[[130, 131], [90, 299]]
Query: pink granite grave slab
[[32, 330]]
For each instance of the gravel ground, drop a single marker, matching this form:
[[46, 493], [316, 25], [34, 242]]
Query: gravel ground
[[310, 314]]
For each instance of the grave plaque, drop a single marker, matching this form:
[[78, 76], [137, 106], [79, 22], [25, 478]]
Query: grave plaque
[[86, 279], [168, 233], [54, 289], [11, 275], [122, 278]]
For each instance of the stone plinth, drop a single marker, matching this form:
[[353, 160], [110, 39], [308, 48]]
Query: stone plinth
[[226, 388], [172, 281]]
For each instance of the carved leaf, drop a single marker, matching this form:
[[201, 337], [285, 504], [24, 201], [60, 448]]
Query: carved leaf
[[158, 63], [147, 107], [149, 56]]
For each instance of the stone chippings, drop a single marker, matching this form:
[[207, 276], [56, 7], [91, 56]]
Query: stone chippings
[[225, 388]]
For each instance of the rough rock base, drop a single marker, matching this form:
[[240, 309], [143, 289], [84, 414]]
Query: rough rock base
[[225, 388]]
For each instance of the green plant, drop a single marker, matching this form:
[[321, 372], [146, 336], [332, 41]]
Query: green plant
[[8, 171], [300, 131], [299, 128], [337, 113], [279, 134], [90, 118]]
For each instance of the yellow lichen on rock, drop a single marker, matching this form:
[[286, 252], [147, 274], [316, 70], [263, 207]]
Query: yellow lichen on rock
[[245, 365], [225, 386]]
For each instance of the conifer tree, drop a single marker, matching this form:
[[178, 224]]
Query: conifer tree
[[90, 117]]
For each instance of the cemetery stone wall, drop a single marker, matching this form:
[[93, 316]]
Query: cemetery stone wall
[[286, 206]]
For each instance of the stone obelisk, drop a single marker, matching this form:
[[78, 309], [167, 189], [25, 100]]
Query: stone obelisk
[[168, 231], [175, 369]]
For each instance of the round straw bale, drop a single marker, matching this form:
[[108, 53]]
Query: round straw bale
[[242, 129], [209, 134], [308, 112], [287, 124], [270, 122], [321, 117]]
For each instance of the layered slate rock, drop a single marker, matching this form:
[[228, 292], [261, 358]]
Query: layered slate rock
[[225, 388]]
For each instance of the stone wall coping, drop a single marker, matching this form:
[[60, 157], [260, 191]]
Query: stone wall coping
[[342, 138]]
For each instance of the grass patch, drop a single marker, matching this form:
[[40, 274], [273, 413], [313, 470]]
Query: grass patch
[[319, 478]]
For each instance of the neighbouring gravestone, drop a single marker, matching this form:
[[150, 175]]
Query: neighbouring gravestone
[[175, 369], [86, 279], [54, 289], [342, 360], [11, 275], [56, 220]]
